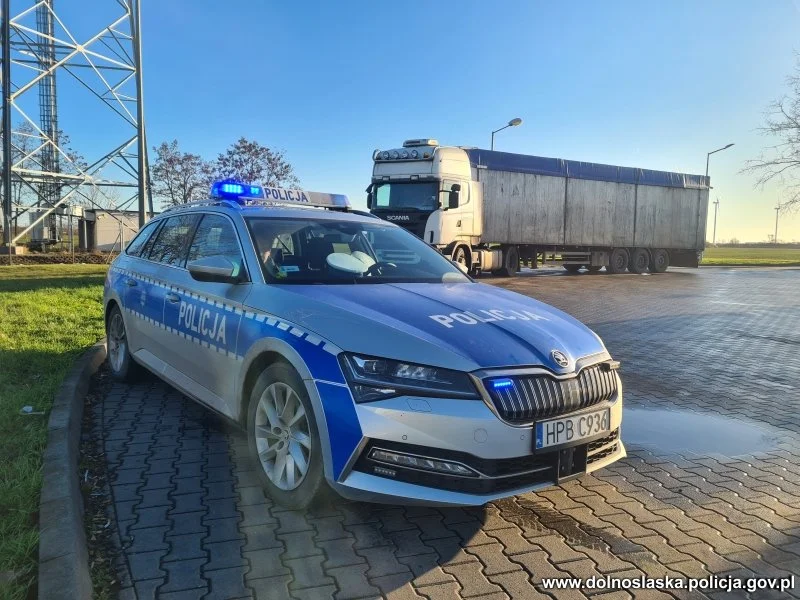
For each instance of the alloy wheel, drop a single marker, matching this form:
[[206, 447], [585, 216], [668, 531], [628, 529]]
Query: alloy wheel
[[283, 436]]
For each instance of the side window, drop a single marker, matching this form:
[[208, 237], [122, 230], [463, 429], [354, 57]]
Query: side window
[[173, 238], [463, 196], [215, 236], [138, 243], [382, 196]]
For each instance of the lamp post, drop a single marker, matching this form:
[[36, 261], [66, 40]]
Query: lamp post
[[512, 123], [708, 156], [716, 208], [777, 212]]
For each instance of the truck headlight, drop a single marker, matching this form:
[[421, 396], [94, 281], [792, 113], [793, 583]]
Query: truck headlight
[[374, 379]]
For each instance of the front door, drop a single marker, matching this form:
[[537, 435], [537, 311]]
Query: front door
[[202, 318]]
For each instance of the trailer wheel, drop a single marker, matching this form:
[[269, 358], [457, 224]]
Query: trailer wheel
[[659, 262], [594, 268], [640, 261], [618, 261], [572, 268], [510, 261]]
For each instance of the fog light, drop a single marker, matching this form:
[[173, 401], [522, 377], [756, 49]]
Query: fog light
[[420, 462]]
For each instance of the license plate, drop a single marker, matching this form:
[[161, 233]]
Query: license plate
[[572, 429]]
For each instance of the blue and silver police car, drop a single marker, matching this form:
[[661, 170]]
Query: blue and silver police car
[[356, 357]]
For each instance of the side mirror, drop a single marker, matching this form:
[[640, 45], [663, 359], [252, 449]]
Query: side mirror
[[369, 189], [453, 196], [216, 269]]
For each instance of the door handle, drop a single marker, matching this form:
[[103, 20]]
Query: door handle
[[130, 282], [174, 298]]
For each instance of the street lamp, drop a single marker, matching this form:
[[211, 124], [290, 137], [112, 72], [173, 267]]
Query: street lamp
[[712, 152], [512, 123]]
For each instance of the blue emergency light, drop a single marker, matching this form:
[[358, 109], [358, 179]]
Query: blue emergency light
[[499, 384], [229, 188]]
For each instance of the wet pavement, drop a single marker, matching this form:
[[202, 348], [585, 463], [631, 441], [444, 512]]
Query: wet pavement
[[711, 372]]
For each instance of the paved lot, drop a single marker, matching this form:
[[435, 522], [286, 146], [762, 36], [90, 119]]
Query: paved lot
[[717, 348]]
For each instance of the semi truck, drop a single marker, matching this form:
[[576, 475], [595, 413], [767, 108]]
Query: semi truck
[[489, 210]]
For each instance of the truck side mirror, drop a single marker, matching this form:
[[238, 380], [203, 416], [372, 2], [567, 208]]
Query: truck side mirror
[[453, 196], [369, 189]]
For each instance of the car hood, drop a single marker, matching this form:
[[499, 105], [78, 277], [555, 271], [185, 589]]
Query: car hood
[[463, 326]]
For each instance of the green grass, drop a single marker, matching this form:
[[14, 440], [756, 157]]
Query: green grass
[[751, 256], [49, 314]]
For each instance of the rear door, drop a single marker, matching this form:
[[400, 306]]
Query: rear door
[[132, 273], [166, 257], [203, 318]]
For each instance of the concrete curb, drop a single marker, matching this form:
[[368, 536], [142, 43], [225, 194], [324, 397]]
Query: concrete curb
[[63, 557]]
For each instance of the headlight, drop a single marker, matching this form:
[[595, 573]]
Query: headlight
[[373, 379]]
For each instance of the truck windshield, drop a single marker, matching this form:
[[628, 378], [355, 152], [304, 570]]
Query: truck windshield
[[407, 196], [308, 251]]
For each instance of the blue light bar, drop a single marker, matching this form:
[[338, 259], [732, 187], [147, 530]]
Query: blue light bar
[[235, 190], [502, 383]]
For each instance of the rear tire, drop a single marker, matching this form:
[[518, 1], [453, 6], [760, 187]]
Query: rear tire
[[572, 268], [510, 261], [659, 262], [640, 261], [118, 356], [618, 261], [283, 438]]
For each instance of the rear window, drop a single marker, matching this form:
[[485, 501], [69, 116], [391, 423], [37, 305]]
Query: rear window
[[138, 243], [172, 240]]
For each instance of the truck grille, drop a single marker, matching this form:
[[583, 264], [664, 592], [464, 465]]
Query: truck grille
[[523, 398]]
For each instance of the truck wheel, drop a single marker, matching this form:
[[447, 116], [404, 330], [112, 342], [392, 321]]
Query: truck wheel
[[572, 268], [659, 262], [283, 438], [510, 261], [463, 256], [618, 261], [640, 261]]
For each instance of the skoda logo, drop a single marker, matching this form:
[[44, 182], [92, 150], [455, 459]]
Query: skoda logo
[[560, 358]]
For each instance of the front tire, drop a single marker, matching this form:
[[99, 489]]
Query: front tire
[[283, 438], [118, 353]]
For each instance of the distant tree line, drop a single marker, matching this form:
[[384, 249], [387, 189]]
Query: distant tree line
[[179, 177]]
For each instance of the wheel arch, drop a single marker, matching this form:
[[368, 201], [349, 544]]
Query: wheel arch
[[266, 352]]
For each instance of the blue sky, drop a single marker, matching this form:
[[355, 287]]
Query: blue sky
[[652, 85]]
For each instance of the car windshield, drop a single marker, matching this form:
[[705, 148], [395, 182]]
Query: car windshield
[[407, 196], [308, 251]]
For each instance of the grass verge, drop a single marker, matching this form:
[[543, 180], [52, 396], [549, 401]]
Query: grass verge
[[751, 256], [49, 314]]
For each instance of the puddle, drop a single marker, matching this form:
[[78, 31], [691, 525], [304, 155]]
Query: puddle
[[687, 432]]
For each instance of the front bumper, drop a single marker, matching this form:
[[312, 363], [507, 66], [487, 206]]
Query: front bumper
[[465, 432]]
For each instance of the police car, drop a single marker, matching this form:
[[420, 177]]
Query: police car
[[356, 357]]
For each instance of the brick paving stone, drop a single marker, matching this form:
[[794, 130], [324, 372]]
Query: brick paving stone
[[270, 588], [184, 575], [352, 582], [339, 553], [298, 544], [225, 584], [307, 572], [265, 563], [493, 559], [426, 569], [396, 587]]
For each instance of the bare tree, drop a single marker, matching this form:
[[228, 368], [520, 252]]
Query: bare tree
[[781, 161], [179, 177], [250, 162]]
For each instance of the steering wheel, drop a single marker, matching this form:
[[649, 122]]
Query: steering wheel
[[377, 268]]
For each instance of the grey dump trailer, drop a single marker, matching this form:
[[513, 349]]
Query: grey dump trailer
[[487, 209]]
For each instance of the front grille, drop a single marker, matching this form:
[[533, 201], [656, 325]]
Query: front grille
[[530, 397], [611, 437]]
